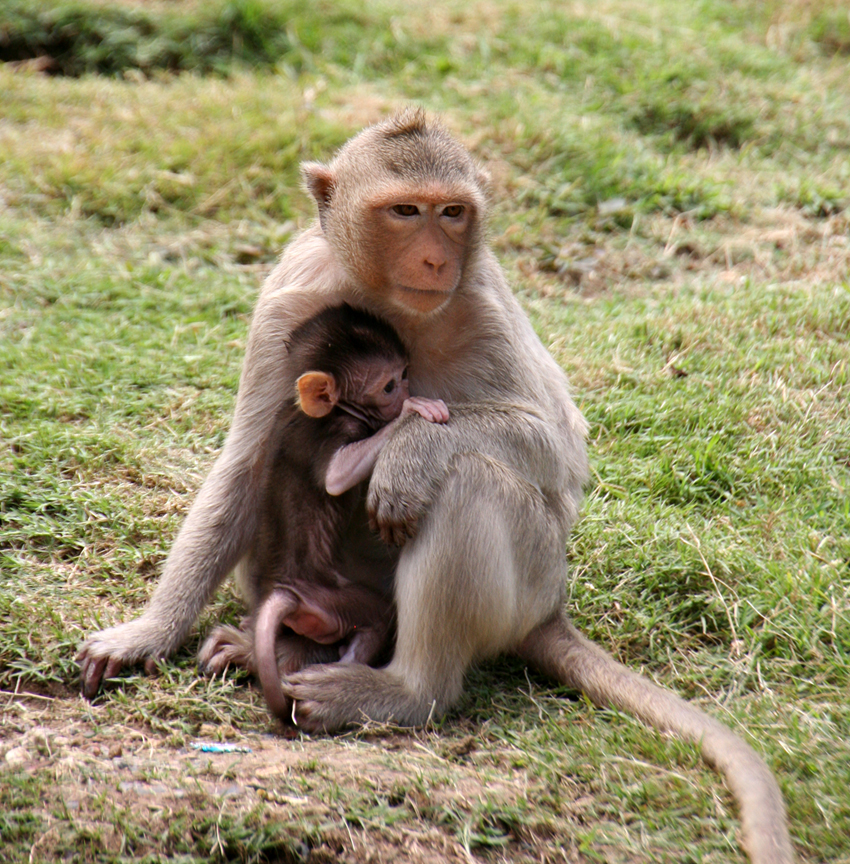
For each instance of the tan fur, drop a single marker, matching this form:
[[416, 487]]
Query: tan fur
[[483, 505]]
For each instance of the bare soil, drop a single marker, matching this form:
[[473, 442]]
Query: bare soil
[[103, 782]]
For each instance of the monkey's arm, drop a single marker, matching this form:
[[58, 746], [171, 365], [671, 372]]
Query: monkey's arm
[[418, 456], [211, 541], [223, 518], [354, 462]]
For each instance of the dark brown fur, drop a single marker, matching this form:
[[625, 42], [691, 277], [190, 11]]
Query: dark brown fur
[[310, 579], [300, 573]]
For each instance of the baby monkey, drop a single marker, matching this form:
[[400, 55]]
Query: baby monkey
[[302, 574]]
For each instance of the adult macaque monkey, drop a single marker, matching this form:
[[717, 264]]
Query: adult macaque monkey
[[351, 392], [482, 505]]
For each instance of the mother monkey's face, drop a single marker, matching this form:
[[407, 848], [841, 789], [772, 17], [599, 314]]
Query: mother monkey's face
[[403, 213]]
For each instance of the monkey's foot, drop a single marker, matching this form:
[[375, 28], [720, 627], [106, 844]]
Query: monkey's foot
[[104, 654], [331, 697], [227, 646]]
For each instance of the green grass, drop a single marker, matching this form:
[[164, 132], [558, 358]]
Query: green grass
[[670, 201], [83, 37]]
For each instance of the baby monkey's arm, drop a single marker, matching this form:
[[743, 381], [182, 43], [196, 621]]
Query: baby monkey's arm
[[354, 462]]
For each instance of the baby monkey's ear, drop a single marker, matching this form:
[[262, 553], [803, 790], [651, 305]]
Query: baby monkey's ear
[[317, 393]]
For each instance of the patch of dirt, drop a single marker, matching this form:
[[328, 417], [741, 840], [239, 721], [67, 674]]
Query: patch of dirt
[[387, 796], [779, 244]]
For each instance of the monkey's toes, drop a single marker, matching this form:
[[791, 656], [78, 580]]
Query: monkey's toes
[[214, 665], [306, 716], [226, 646], [212, 658], [312, 696]]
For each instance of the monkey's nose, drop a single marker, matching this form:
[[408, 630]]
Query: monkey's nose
[[435, 264]]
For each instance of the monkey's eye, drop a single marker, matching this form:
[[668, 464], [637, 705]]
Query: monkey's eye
[[406, 210], [404, 374], [453, 211], [390, 386]]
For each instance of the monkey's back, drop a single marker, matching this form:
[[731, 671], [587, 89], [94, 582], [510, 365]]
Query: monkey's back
[[305, 535]]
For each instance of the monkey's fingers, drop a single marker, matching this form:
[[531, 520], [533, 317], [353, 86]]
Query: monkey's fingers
[[399, 534], [435, 413], [442, 412], [392, 515], [152, 665], [393, 532], [93, 670], [433, 410]]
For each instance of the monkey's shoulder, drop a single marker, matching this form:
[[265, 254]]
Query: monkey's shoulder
[[307, 444]]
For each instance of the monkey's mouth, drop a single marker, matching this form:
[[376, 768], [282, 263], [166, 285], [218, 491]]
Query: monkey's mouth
[[423, 299], [372, 418], [438, 292]]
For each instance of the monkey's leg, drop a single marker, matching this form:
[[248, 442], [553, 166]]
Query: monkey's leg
[[294, 652], [560, 651], [459, 598], [367, 643], [232, 646], [287, 653]]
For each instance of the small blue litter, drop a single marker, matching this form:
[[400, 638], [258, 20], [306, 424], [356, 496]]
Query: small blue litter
[[220, 748]]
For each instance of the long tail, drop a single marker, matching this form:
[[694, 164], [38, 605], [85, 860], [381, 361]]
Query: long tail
[[557, 649], [272, 611]]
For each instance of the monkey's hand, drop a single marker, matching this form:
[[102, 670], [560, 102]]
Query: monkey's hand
[[104, 654], [406, 473], [433, 410], [412, 466]]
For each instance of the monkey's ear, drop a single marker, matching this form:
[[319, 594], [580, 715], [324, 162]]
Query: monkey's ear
[[485, 181], [319, 181], [317, 393]]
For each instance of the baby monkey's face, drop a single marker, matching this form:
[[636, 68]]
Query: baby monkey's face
[[385, 387]]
